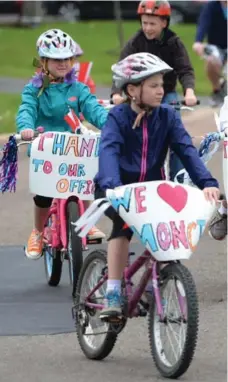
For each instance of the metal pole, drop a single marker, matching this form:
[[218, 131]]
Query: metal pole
[[119, 22]]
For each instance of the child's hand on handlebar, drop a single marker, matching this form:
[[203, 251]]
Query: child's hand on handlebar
[[211, 193], [27, 134], [190, 98]]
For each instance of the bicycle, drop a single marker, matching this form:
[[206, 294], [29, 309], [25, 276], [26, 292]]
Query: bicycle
[[60, 241], [178, 106], [209, 145], [169, 226]]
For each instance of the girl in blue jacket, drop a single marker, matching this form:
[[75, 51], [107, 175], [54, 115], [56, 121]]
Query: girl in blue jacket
[[46, 100], [133, 148]]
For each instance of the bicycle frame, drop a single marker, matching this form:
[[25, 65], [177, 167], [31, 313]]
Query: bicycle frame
[[134, 296], [59, 238]]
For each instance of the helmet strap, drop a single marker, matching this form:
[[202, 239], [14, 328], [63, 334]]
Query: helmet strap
[[146, 109], [143, 106]]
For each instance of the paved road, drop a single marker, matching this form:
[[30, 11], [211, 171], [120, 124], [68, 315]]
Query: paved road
[[15, 86], [58, 358]]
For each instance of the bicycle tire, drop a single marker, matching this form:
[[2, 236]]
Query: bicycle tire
[[53, 263], [180, 272], [76, 256], [111, 336]]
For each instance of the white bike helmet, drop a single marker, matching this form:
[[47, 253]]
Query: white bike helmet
[[136, 68], [77, 50], [55, 44]]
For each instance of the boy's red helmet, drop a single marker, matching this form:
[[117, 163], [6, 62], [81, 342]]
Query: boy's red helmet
[[156, 8]]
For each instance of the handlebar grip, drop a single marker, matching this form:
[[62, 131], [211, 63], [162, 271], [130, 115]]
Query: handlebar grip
[[184, 104], [17, 137]]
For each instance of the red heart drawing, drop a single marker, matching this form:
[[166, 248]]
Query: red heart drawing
[[176, 196]]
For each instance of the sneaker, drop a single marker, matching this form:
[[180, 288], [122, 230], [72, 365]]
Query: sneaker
[[112, 305], [35, 245], [218, 226], [95, 234]]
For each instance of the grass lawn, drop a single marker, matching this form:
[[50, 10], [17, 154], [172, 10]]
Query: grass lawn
[[100, 44], [97, 39], [8, 107]]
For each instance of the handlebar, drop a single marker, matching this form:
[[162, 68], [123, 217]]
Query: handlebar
[[181, 105], [20, 141], [18, 137], [212, 138], [206, 152], [107, 104], [182, 102], [83, 129]]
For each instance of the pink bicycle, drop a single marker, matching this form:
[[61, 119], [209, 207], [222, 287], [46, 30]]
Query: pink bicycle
[[60, 241]]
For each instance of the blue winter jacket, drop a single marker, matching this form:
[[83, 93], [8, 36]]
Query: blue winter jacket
[[131, 155]]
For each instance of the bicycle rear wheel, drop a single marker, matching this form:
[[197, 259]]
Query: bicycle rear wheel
[[96, 338], [173, 352]]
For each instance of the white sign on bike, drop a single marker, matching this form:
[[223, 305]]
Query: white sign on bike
[[225, 165], [64, 164], [168, 219]]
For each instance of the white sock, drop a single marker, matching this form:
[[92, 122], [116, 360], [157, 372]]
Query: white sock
[[114, 285], [222, 210]]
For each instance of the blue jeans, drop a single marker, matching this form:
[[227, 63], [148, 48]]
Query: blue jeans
[[175, 164]]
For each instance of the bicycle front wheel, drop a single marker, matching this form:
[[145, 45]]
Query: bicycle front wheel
[[173, 340], [75, 253], [52, 260]]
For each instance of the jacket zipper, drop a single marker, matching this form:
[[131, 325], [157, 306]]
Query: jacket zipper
[[144, 152]]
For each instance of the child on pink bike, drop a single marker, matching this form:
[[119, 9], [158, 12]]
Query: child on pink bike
[[46, 100], [133, 148]]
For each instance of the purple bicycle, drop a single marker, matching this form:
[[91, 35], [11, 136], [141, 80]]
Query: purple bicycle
[[169, 220]]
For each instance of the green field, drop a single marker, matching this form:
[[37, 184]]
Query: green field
[[99, 42], [8, 107]]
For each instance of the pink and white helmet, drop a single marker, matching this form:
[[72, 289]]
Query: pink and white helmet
[[136, 68], [55, 44]]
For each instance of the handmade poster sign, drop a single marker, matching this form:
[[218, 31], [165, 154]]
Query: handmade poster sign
[[225, 165], [169, 219], [64, 164]]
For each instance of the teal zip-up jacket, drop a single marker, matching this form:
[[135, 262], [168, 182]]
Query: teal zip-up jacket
[[48, 110]]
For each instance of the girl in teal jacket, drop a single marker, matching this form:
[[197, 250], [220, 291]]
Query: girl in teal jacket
[[46, 101]]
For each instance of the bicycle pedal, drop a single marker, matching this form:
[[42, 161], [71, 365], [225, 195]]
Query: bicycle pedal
[[113, 320], [94, 241], [142, 313]]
